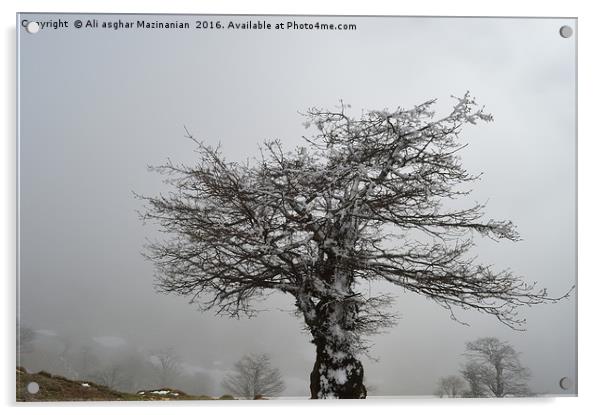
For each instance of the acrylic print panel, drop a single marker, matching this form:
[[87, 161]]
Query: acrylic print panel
[[295, 206]]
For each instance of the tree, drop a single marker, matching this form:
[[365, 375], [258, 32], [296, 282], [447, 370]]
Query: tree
[[143, 374], [495, 367], [362, 200], [64, 360], [112, 376], [25, 339], [168, 366], [450, 386], [254, 376], [87, 360], [472, 373]]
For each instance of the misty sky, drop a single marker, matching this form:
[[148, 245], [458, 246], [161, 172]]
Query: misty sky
[[98, 106]]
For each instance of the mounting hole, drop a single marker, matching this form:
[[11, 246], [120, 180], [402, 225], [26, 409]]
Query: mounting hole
[[565, 383], [566, 31], [33, 387], [32, 27]]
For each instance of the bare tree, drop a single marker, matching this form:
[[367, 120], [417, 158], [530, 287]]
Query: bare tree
[[362, 200], [64, 361], [473, 374], [450, 386], [87, 360], [25, 338], [112, 376], [254, 376], [496, 367], [143, 374], [168, 366]]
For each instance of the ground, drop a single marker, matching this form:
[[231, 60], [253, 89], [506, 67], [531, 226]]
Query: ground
[[58, 388]]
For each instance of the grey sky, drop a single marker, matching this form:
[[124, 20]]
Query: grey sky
[[98, 106]]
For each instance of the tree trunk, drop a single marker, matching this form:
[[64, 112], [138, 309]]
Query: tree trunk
[[337, 373]]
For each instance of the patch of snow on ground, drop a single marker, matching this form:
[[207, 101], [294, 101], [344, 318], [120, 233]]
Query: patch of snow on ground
[[86, 385], [160, 392]]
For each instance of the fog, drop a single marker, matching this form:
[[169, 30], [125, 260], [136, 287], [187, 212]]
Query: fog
[[98, 106]]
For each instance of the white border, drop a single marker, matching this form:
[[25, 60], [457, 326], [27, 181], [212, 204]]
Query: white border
[[589, 194]]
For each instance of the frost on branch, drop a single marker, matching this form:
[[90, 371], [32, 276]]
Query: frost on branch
[[363, 199]]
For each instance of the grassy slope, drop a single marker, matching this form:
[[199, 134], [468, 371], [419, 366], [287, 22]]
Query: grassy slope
[[58, 388]]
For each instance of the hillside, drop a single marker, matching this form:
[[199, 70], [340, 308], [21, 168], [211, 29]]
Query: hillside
[[59, 388]]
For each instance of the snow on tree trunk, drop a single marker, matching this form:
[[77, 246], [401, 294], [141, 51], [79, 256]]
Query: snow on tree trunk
[[337, 373]]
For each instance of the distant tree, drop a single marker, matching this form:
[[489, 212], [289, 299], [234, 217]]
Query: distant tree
[[65, 358], [362, 200], [168, 366], [142, 372], [87, 361], [473, 374], [496, 366], [450, 386], [112, 376], [254, 376], [25, 338]]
